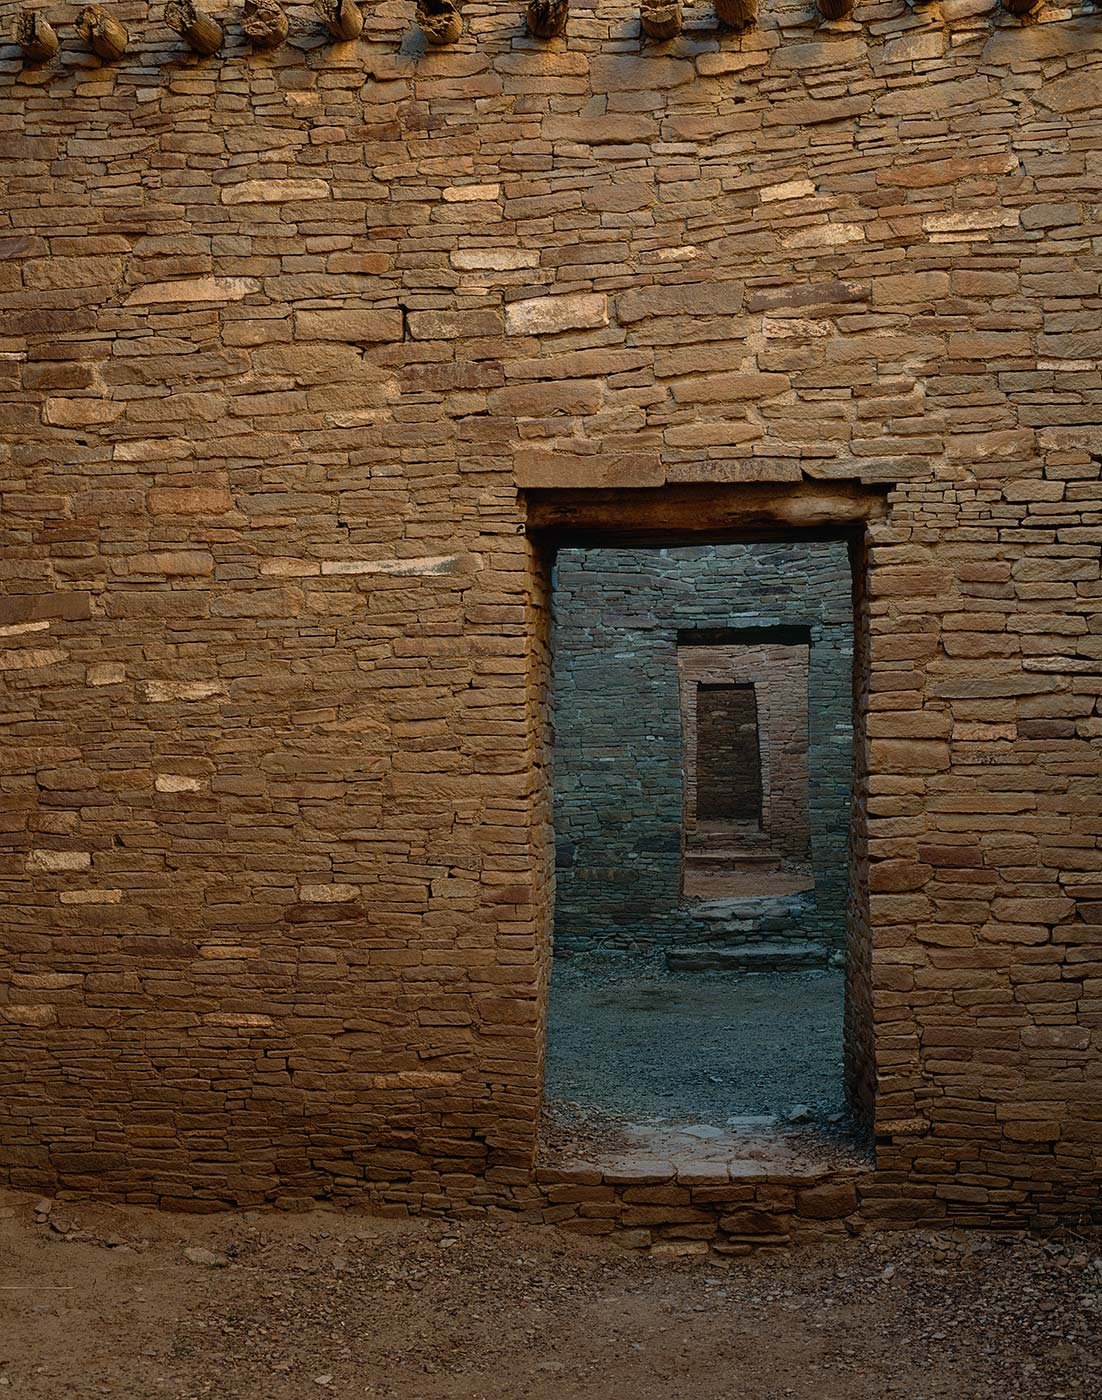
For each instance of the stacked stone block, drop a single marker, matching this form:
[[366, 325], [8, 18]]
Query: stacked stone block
[[282, 334]]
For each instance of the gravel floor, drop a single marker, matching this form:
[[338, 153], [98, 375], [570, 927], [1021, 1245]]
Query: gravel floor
[[628, 1037], [108, 1303]]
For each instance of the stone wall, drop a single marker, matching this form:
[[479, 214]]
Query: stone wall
[[625, 735], [280, 337]]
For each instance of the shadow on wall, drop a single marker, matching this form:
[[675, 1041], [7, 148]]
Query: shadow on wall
[[654, 648]]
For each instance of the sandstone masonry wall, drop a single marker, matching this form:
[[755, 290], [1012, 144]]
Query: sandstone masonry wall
[[619, 745], [280, 337]]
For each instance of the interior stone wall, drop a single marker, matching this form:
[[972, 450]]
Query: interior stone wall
[[281, 336], [622, 697]]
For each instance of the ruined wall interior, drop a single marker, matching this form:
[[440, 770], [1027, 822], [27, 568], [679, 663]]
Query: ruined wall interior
[[281, 335], [635, 632]]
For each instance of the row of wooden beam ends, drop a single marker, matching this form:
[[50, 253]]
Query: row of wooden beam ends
[[265, 22], [661, 19]]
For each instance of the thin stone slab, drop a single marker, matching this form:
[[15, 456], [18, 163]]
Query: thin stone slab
[[758, 957]]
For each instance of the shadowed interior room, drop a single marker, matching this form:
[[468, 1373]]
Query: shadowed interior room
[[703, 756]]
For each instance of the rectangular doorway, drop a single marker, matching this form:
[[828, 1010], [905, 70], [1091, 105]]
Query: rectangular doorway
[[727, 755], [703, 758]]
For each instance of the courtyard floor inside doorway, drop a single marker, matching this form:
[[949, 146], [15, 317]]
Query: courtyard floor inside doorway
[[694, 1068]]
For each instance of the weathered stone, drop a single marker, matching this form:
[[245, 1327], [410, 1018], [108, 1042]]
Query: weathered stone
[[1068, 94], [494, 259], [367, 327], [189, 500], [813, 111], [49, 274], [536, 468], [465, 194], [275, 191], [629, 73], [787, 189], [551, 315], [540, 400], [209, 1258], [176, 782], [680, 299], [749, 1222], [908, 288], [162, 692], [728, 388], [608, 129], [80, 413], [327, 894], [59, 860], [831, 1201]]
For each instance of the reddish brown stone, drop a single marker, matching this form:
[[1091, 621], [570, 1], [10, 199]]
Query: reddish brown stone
[[832, 1201]]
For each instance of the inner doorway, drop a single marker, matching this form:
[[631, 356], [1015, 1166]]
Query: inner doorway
[[702, 705], [727, 754]]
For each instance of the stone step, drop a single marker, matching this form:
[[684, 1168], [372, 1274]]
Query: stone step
[[732, 857], [748, 914], [787, 956]]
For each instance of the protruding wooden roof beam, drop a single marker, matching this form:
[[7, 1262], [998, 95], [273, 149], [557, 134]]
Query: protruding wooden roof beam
[[35, 36], [661, 19], [102, 32], [343, 18], [439, 21], [264, 23], [737, 14], [547, 18], [195, 26]]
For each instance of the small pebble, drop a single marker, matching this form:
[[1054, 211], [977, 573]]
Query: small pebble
[[196, 1255]]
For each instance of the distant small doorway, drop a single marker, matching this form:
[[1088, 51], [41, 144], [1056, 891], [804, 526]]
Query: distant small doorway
[[727, 755], [745, 738]]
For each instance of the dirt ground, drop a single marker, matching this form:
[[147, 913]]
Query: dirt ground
[[628, 1037], [100, 1301]]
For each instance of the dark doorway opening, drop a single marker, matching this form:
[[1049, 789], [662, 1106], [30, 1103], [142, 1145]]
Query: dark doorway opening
[[728, 757], [704, 1026]]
